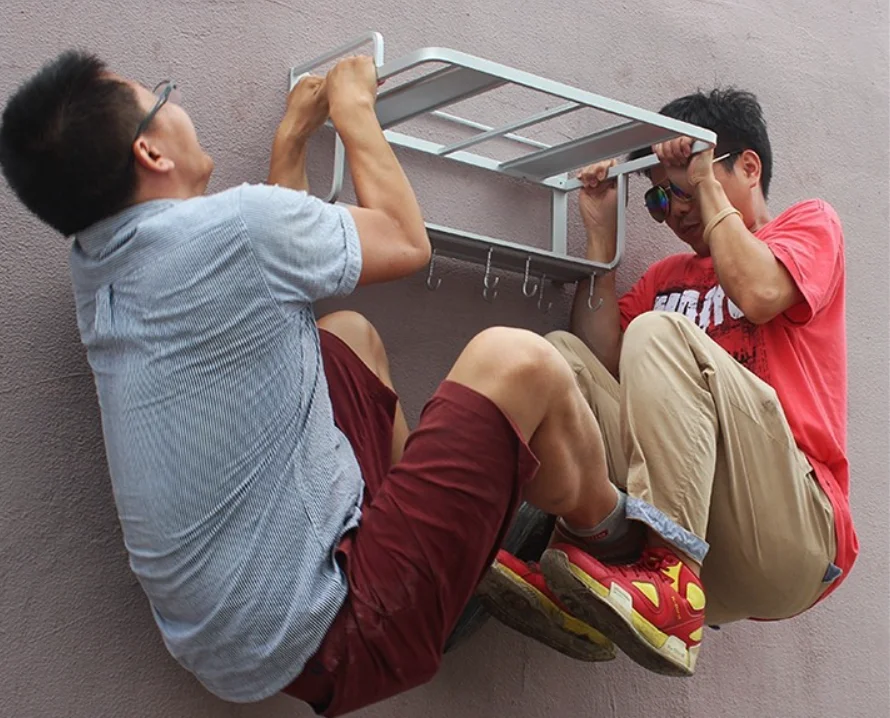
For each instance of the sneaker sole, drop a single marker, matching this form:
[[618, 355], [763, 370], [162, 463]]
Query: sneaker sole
[[613, 613], [520, 606]]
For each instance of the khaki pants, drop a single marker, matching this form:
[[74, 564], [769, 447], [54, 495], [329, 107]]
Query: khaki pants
[[692, 433]]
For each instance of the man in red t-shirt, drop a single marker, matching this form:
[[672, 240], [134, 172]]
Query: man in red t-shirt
[[726, 437]]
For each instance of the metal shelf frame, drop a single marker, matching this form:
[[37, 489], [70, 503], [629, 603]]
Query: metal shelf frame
[[460, 76]]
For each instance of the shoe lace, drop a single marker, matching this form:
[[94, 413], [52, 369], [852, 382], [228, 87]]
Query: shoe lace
[[656, 560], [651, 562]]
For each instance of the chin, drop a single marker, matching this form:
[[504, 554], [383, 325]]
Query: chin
[[208, 171], [697, 245]]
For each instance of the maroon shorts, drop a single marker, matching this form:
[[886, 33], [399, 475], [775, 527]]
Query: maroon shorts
[[431, 525]]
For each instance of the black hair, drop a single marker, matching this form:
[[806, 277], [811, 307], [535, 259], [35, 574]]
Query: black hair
[[65, 142], [737, 119]]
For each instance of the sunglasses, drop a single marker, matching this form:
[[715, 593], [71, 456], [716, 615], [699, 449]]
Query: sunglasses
[[658, 197]]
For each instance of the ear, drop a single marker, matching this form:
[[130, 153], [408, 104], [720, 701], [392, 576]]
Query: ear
[[750, 167], [149, 156]]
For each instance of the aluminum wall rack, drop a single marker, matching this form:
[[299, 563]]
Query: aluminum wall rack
[[451, 77]]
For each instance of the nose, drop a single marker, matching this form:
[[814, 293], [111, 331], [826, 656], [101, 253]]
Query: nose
[[679, 209]]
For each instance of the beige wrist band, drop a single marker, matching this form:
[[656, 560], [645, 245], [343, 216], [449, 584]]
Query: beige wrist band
[[717, 219]]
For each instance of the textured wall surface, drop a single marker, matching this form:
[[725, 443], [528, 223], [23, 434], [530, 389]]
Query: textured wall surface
[[76, 637]]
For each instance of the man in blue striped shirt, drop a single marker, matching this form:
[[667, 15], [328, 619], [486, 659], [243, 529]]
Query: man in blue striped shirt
[[289, 532]]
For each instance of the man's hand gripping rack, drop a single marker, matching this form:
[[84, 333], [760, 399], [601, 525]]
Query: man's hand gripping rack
[[458, 76]]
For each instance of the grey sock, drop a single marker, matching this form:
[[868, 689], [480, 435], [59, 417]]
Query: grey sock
[[615, 526]]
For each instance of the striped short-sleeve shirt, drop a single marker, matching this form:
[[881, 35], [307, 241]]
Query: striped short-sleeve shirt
[[232, 483]]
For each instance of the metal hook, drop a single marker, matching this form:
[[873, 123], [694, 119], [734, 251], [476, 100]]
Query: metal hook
[[541, 297], [590, 296], [489, 291], [525, 284], [429, 275]]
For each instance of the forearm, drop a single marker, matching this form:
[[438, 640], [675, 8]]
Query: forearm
[[378, 178], [600, 330], [746, 268], [287, 166]]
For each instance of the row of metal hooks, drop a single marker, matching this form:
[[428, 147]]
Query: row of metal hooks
[[529, 287]]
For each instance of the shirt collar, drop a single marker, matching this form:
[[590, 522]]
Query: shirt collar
[[96, 241]]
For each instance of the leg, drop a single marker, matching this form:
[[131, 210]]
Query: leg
[[515, 591], [744, 481], [710, 457], [616, 540], [434, 526], [361, 336], [568, 443], [526, 378], [601, 391]]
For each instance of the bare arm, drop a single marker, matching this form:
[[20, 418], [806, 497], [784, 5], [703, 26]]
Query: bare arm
[[600, 330], [389, 220], [287, 167], [748, 271], [307, 110]]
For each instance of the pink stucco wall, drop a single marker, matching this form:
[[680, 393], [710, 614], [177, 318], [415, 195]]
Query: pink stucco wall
[[76, 637]]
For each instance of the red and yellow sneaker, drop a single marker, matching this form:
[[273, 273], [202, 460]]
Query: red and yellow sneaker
[[515, 593], [653, 609]]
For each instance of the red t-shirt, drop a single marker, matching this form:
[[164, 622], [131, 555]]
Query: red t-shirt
[[802, 353]]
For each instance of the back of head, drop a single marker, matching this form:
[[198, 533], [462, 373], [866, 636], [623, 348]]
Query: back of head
[[737, 119], [65, 142]]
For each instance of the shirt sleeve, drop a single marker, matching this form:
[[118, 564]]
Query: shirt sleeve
[[307, 249], [810, 245], [639, 298]]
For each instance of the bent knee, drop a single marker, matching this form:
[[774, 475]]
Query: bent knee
[[662, 341], [346, 321], [507, 351], [517, 370], [356, 331], [655, 325], [654, 321]]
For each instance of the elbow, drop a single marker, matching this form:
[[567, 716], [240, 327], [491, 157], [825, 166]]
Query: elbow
[[414, 251], [418, 251], [760, 305], [424, 252], [759, 317]]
